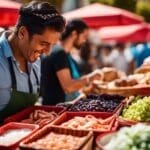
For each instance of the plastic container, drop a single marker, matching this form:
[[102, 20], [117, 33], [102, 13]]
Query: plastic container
[[69, 115], [103, 139], [24, 114], [14, 126], [123, 122], [86, 144]]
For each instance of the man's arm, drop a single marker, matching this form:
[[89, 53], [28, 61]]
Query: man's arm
[[71, 85]]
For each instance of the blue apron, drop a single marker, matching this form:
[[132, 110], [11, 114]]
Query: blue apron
[[75, 75]]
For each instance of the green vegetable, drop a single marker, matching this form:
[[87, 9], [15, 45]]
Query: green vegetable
[[131, 138], [139, 110]]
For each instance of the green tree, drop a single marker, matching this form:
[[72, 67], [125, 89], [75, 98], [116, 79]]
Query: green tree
[[107, 2], [143, 9], [126, 4], [57, 3]]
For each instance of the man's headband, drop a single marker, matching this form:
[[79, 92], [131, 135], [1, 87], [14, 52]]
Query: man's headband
[[46, 16]]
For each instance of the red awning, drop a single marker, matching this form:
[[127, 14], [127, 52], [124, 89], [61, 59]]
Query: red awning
[[98, 15], [8, 12], [127, 33]]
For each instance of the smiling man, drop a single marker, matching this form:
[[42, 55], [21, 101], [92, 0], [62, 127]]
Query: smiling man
[[38, 28]]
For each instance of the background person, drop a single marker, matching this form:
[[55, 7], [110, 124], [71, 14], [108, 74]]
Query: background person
[[60, 78]]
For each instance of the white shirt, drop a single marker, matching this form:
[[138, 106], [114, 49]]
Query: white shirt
[[119, 60]]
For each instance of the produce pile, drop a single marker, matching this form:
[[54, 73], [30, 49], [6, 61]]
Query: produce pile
[[134, 138], [55, 141], [131, 81], [40, 117], [89, 122], [139, 110], [101, 103], [13, 135]]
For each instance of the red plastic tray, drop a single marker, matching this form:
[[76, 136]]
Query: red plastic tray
[[123, 122], [13, 125], [119, 107], [69, 115], [47, 129], [26, 112]]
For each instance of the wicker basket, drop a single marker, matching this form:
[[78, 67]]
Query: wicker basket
[[126, 91], [69, 115]]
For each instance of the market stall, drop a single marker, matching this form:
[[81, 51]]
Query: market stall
[[127, 33], [98, 15], [95, 121], [8, 12]]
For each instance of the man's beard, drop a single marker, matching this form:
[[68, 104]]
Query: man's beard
[[78, 46]]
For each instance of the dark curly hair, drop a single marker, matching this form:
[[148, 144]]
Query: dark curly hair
[[74, 25], [36, 16]]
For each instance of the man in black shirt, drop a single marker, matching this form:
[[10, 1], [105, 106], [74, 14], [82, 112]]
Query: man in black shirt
[[61, 80]]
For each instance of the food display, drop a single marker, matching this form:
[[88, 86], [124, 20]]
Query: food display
[[125, 101], [13, 135], [117, 82], [131, 81], [138, 110], [101, 103], [89, 122], [56, 141], [136, 84], [145, 67], [146, 79], [128, 138], [57, 138], [124, 82], [40, 117], [110, 74]]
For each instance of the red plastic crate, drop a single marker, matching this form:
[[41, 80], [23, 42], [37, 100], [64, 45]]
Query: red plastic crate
[[69, 115], [124, 122], [85, 145], [26, 112], [13, 125], [119, 107]]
